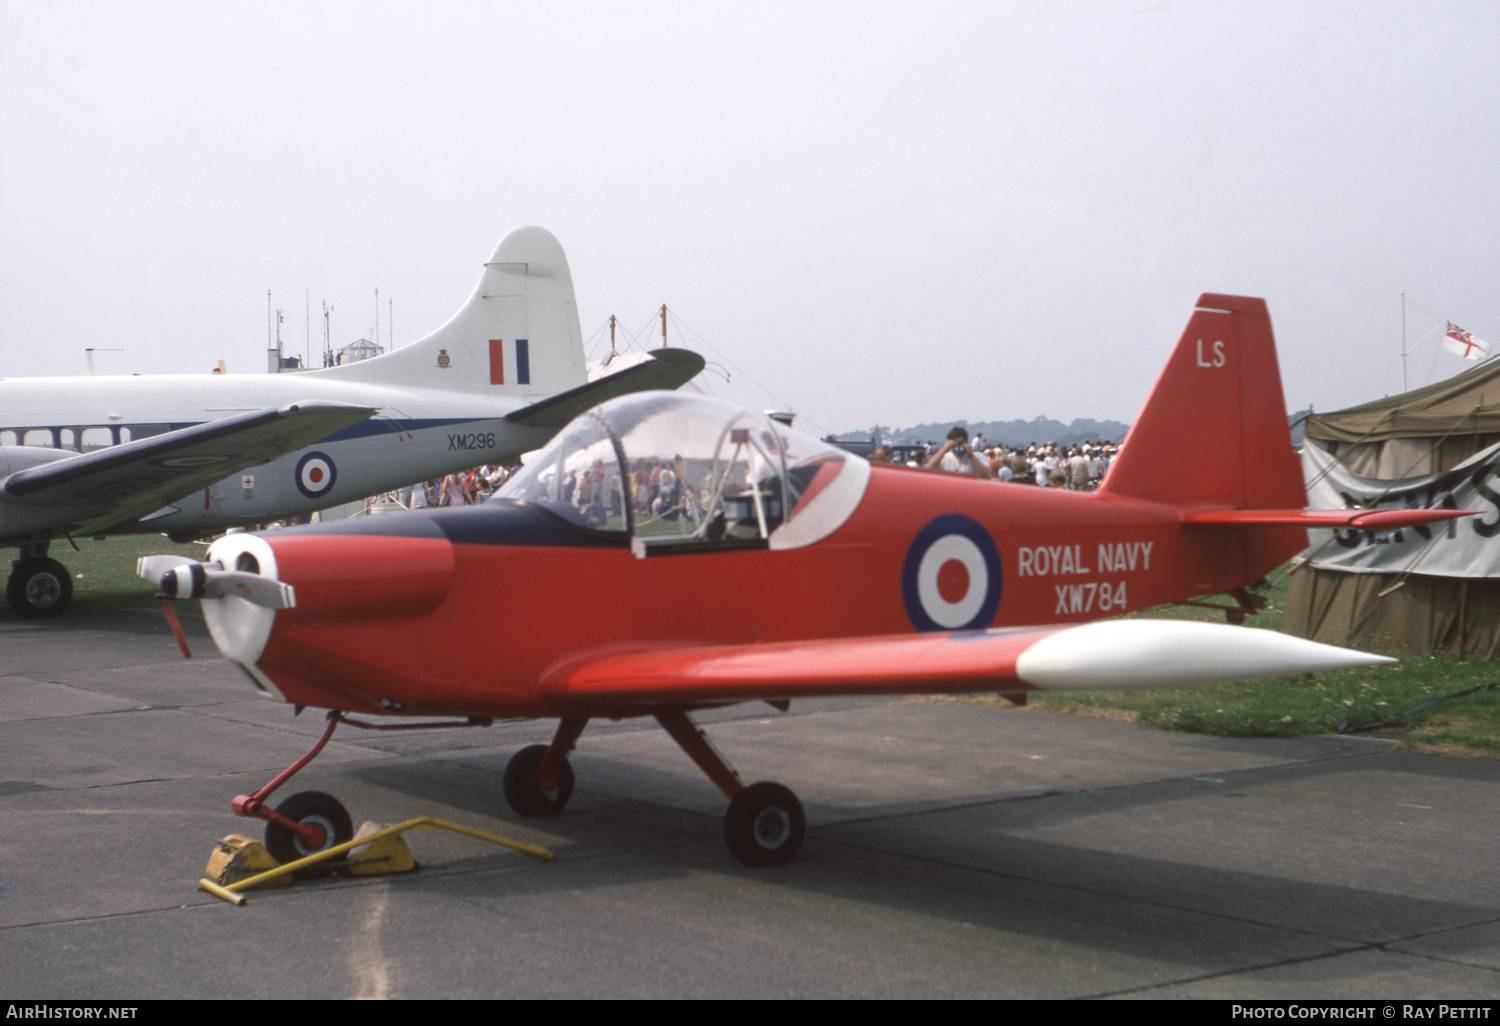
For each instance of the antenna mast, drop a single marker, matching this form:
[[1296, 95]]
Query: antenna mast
[[664, 325], [327, 334], [273, 356]]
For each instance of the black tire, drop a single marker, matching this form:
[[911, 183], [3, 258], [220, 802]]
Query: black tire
[[764, 825], [39, 588], [314, 807], [521, 789]]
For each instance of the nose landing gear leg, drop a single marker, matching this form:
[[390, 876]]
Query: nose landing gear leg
[[306, 822]]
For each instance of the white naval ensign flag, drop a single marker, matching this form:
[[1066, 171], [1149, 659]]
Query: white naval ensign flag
[[1459, 341]]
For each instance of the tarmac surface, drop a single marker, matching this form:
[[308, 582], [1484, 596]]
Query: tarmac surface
[[953, 850]]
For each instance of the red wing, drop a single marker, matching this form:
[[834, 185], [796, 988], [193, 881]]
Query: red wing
[[887, 664], [1364, 519], [1115, 654]]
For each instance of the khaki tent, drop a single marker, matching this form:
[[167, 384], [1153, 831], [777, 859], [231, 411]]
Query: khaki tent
[[1414, 604]]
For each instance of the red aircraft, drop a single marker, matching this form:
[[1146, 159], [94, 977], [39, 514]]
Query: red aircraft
[[757, 563]]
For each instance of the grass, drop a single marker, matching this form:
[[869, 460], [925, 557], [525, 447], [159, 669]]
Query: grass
[[104, 571], [1314, 703]]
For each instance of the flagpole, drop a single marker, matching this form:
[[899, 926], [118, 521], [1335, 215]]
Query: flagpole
[[1403, 341]]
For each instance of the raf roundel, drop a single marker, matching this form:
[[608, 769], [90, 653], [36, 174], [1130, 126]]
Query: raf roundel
[[315, 475], [952, 577]]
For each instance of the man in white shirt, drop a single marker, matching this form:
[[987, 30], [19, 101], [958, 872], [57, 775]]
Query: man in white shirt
[[956, 457]]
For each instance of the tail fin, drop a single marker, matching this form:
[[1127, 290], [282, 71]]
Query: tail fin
[[1214, 432], [517, 335]]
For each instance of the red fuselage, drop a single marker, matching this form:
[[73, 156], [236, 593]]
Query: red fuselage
[[466, 611]]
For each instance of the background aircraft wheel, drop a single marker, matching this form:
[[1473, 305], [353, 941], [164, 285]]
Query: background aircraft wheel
[[764, 825], [39, 587], [315, 808], [521, 789]]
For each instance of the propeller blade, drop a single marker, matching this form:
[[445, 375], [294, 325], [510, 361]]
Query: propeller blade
[[181, 578], [176, 625], [150, 568], [262, 591]]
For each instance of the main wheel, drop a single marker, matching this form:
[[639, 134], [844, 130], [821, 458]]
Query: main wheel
[[521, 789], [764, 825], [39, 587], [315, 809]]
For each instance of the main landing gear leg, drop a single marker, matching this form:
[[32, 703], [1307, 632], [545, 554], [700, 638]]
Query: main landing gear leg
[[765, 823], [538, 779]]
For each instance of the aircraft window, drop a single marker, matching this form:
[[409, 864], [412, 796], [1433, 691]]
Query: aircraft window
[[685, 471], [699, 470], [9, 438], [576, 476], [96, 438], [39, 436]]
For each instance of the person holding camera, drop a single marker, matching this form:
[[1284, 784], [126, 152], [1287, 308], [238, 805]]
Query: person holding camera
[[956, 457]]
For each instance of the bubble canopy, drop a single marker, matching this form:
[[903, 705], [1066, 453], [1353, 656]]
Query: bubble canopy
[[669, 468]]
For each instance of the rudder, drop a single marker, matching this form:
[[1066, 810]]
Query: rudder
[[516, 335], [1214, 433]]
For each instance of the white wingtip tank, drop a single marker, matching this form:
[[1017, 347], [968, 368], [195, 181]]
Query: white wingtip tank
[[517, 335], [1127, 655]]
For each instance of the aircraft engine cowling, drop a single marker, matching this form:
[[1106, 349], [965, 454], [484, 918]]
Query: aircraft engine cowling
[[357, 579], [341, 577]]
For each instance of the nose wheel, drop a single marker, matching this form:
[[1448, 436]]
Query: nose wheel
[[314, 809]]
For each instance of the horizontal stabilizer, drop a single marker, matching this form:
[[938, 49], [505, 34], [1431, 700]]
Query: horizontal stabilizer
[[667, 369], [1364, 519], [1116, 654], [122, 483]]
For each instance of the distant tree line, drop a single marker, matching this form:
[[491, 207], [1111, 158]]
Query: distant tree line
[[1010, 432], [1028, 432]]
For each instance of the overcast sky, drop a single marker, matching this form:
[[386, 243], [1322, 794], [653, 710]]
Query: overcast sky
[[880, 212]]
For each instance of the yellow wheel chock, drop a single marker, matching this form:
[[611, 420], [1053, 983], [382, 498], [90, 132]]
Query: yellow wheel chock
[[382, 851]]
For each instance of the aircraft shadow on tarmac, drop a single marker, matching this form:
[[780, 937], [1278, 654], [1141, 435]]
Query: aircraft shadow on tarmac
[[83, 620], [1187, 893]]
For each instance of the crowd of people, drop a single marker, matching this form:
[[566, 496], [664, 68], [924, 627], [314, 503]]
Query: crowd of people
[[468, 488], [1078, 468]]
